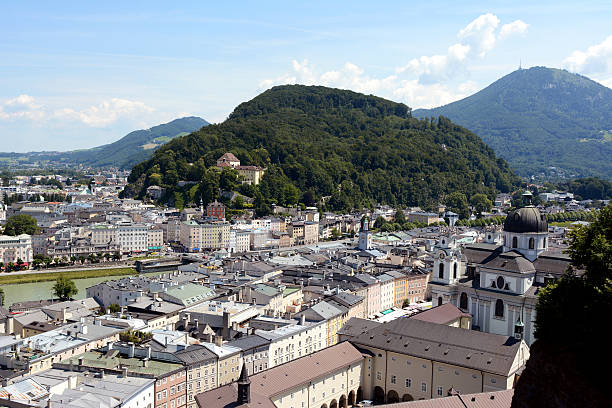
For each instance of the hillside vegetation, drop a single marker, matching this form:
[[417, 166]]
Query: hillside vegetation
[[540, 118], [319, 143], [131, 149]]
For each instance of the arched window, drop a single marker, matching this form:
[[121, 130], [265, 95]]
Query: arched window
[[440, 301], [531, 243], [441, 271], [499, 308], [514, 242], [455, 270], [463, 301]]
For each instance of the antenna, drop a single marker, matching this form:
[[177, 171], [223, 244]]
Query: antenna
[[520, 64]]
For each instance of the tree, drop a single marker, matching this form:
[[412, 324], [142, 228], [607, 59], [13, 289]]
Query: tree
[[21, 224], [228, 179], [577, 325], [399, 216], [238, 202], [379, 222], [481, 203], [114, 308], [457, 202], [64, 288]]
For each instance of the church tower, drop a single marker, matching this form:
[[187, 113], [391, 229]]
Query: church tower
[[244, 387], [526, 230], [365, 235]]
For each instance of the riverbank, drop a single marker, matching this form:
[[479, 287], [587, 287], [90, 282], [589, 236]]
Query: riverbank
[[7, 279]]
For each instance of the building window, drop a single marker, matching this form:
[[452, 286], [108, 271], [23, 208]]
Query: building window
[[378, 376], [423, 387], [499, 308], [500, 282], [393, 379], [531, 243], [455, 270], [408, 382], [441, 271], [514, 242], [463, 301], [439, 391], [440, 301]]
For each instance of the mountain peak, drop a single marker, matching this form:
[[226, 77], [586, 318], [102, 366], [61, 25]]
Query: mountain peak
[[544, 121]]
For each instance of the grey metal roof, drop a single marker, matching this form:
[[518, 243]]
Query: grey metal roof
[[249, 342], [195, 354]]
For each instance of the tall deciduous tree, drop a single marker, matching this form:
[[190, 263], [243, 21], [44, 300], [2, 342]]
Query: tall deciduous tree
[[21, 224], [64, 288]]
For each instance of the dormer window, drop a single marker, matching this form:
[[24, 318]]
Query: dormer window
[[500, 282]]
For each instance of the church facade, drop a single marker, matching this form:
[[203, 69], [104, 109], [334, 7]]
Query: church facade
[[497, 281]]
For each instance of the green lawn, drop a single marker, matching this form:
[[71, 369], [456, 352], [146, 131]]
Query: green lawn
[[44, 277]]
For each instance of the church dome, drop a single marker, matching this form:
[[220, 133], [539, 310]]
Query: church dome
[[525, 219]]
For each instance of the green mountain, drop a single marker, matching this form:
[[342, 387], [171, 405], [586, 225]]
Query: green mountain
[[540, 118], [346, 148], [133, 148]]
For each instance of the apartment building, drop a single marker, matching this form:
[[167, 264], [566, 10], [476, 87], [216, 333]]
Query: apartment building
[[133, 237], [411, 359], [155, 239], [328, 378], [103, 234], [196, 236], [294, 341], [15, 248], [201, 368]]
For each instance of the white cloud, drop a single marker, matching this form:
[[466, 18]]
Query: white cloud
[[513, 28], [422, 81], [26, 107], [480, 33], [106, 113], [596, 59]]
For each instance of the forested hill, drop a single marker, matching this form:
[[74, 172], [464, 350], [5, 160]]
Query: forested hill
[[539, 118], [136, 146], [316, 142], [131, 149]]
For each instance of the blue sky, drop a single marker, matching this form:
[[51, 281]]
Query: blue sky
[[80, 74]]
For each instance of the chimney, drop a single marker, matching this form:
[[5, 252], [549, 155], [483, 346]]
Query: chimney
[[124, 372], [303, 319], [148, 348], [109, 346], [196, 324], [131, 349], [219, 340], [83, 328], [226, 325], [145, 362]]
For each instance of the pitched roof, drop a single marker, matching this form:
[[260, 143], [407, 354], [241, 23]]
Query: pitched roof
[[494, 399], [468, 348], [229, 157], [274, 381], [195, 354], [511, 261], [443, 314]]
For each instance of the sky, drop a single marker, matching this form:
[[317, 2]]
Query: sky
[[80, 74]]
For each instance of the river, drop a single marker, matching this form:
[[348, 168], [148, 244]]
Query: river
[[20, 292]]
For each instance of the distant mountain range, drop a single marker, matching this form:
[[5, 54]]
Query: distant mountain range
[[543, 121], [133, 148]]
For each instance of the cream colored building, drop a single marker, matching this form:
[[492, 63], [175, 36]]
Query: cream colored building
[[14, 248], [229, 362], [155, 239], [411, 359], [250, 174], [328, 378], [288, 343], [201, 367], [196, 236], [103, 234]]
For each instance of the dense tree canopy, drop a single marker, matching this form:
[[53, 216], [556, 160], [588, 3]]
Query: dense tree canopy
[[21, 224], [572, 312], [349, 149]]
